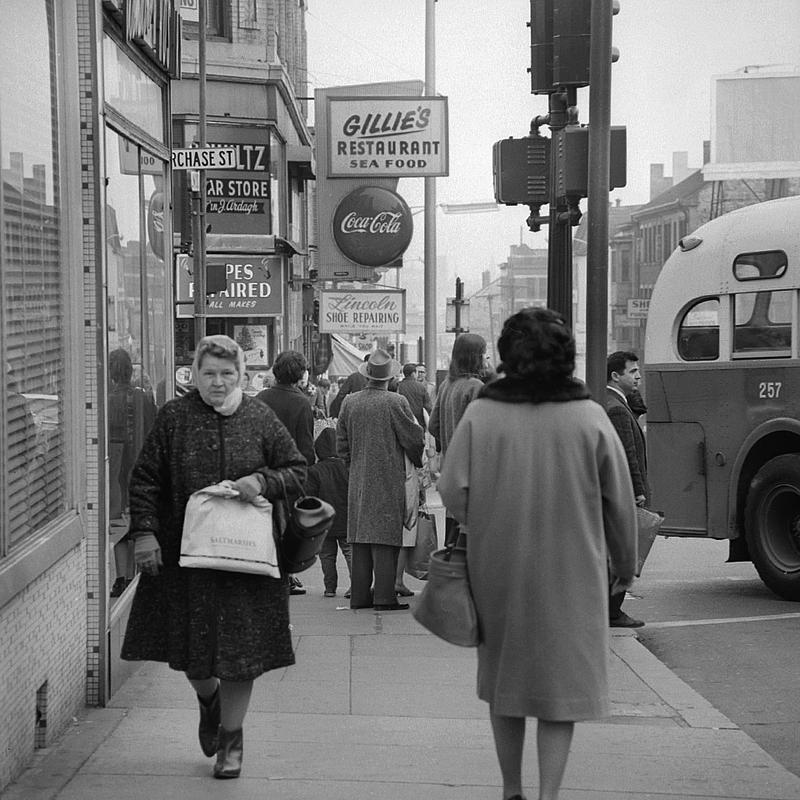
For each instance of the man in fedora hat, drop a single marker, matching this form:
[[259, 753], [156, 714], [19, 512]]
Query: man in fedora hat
[[375, 429]]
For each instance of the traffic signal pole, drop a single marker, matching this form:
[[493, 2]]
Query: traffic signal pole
[[431, 360], [199, 197], [559, 243], [597, 206], [570, 48]]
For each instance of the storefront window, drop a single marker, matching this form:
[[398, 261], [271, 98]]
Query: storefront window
[[32, 276], [137, 296], [131, 92]]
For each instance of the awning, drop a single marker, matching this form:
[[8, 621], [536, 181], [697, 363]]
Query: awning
[[300, 158], [346, 358], [260, 244]]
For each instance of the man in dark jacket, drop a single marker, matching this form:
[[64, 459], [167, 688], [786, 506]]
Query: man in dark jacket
[[354, 382], [622, 378], [415, 392], [291, 406]]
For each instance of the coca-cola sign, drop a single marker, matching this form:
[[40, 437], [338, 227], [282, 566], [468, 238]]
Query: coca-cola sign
[[372, 226]]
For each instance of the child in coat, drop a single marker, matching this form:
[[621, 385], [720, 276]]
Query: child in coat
[[328, 480]]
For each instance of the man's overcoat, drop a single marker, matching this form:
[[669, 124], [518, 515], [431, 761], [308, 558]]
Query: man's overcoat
[[375, 428]]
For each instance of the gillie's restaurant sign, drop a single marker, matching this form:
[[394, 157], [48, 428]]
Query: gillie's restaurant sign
[[387, 137]]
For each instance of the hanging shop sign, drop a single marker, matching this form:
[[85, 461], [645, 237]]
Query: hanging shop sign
[[375, 311], [253, 286], [237, 195], [387, 137], [241, 199], [372, 226]]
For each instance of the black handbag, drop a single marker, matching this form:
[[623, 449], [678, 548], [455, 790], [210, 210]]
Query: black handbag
[[305, 523]]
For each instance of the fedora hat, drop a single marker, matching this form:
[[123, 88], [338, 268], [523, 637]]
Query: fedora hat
[[380, 367]]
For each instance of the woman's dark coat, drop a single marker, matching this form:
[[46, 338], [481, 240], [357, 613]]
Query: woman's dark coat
[[207, 622], [294, 411], [329, 479]]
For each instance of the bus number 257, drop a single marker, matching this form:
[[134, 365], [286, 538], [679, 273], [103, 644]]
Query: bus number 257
[[769, 390]]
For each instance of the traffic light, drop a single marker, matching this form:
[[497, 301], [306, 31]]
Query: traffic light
[[572, 32], [521, 170], [541, 26], [572, 173], [560, 43]]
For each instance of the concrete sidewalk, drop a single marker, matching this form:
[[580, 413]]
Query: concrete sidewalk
[[378, 708]]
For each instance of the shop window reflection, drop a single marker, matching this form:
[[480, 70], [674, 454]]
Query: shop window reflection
[[137, 336], [32, 277]]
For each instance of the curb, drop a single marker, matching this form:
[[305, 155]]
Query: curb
[[692, 707]]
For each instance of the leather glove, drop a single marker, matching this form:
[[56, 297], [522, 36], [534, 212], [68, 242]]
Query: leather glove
[[147, 553], [250, 487]]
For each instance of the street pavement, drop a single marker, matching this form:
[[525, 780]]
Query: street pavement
[[376, 707]]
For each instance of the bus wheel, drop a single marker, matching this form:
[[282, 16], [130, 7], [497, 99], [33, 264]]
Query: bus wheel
[[772, 525]]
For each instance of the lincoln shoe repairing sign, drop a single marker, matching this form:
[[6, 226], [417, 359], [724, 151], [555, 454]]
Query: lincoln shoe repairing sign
[[387, 137], [375, 311]]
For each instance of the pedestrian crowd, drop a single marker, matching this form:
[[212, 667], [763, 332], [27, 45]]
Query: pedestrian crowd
[[540, 485]]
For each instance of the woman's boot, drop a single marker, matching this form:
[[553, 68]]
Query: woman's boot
[[209, 723], [229, 754]]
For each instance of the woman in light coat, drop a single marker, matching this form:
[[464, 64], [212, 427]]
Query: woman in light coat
[[537, 474]]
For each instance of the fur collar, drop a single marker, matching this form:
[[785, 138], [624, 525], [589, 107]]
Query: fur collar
[[522, 390]]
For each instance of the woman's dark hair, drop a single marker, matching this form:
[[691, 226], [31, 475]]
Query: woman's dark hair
[[467, 357], [536, 343], [289, 366], [120, 368]]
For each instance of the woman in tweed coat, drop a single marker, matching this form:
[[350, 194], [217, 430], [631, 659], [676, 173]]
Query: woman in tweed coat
[[223, 629]]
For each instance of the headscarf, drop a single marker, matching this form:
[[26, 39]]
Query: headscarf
[[222, 347]]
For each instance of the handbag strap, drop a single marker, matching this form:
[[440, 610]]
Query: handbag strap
[[297, 483]]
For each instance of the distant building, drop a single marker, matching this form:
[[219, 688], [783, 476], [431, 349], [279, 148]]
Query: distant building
[[641, 238]]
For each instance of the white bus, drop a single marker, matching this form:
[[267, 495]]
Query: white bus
[[722, 371]]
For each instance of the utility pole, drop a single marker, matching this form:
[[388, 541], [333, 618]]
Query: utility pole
[[431, 360], [599, 167], [199, 192]]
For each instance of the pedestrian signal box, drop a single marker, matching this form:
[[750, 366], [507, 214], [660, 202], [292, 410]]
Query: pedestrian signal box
[[572, 174], [521, 170]]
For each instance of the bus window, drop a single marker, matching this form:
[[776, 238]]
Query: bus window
[[751, 266], [698, 335], [763, 324]]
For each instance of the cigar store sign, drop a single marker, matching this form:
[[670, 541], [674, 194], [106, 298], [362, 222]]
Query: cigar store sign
[[374, 311], [387, 137]]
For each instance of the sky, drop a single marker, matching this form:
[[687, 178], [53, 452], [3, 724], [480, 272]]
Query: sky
[[661, 91]]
